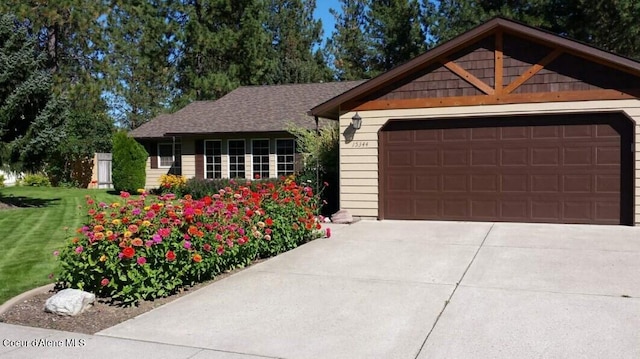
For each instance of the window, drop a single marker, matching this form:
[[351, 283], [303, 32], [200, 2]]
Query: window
[[170, 156], [260, 151], [236, 158], [285, 157], [213, 159]]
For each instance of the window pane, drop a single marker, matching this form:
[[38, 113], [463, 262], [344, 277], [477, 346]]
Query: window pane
[[260, 152], [285, 150], [236, 159], [213, 152]]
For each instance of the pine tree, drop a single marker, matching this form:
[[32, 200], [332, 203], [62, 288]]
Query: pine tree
[[348, 45], [394, 29], [294, 33]]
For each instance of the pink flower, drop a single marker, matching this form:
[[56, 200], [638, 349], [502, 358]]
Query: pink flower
[[79, 249], [56, 253], [220, 250], [104, 282], [136, 211], [187, 245], [124, 194], [328, 233], [141, 260], [156, 238], [148, 243]]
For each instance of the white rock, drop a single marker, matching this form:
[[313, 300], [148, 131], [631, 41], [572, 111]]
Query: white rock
[[342, 216], [327, 220], [69, 302]]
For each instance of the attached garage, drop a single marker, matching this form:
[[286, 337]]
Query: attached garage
[[554, 169], [503, 123]]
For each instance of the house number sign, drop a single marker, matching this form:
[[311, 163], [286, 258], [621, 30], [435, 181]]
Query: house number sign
[[359, 144]]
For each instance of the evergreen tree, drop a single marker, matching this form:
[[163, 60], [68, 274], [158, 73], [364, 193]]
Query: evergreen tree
[[129, 162], [395, 32], [31, 115], [348, 45], [225, 45], [294, 33], [141, 55]]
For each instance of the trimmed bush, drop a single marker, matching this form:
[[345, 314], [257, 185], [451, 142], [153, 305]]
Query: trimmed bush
[[35, 180], [148, 247], [129, 161], [198, 188]]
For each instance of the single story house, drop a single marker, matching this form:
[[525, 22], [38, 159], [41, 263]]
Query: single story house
[[505, 122], [241, 135]]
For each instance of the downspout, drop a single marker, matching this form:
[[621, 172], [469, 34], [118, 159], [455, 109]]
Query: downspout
[[317, 189]]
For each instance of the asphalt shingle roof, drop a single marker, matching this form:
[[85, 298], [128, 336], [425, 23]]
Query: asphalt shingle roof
[[247, 109]]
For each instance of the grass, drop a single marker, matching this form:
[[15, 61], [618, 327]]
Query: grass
[[29, 234]]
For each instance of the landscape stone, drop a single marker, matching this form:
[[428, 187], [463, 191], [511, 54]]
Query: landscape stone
[[69, 302], [342, 217]]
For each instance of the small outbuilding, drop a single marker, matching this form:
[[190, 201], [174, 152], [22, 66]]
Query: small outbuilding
[[503, 123]]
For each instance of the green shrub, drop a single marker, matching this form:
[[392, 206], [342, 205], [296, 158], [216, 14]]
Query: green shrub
[[149, 247], [199, 188], [320, 162], [35, 180], [2, 179], [129, 161]]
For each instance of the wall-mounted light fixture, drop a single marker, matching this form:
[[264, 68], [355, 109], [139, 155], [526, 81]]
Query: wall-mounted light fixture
[[356, 121]]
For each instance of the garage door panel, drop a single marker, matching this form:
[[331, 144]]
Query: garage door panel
[[577, 156], [577, 183], [397, 158], [545, 156], [607, 183], [454, 157], [545, 132], [427, 183], [545, 183], [541, 172], [455, 208], [484, 157], [514, 183], [454, 183], [484, 183], [577, 210], [578, 131], [543, 211], [608, 156], [515, 210], [426, 158], [484, 209], [514, 156], [514, 133]]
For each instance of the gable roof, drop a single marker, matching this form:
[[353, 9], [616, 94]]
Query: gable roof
[[246, 109], [349, 99]]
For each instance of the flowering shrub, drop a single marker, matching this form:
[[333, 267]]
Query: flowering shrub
[[149, 247], [172, 184]]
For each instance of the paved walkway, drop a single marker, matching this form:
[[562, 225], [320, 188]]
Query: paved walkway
[[397, 289]]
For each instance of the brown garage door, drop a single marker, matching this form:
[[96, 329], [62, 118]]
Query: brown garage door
[[569, 169]]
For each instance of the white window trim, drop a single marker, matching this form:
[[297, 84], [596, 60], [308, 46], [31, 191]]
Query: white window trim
[[244, 142], [269, 147], [276, 153], [205, 159], [173, 154]]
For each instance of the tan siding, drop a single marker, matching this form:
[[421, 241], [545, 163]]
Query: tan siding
[[188, 157], [346, 167], [359, 189], [362, 197], [153, 175], [356, 160]]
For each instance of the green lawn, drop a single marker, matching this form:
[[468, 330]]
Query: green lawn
[[30, 234]]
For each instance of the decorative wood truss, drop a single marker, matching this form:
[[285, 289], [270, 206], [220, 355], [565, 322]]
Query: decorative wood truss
[[501, 93]]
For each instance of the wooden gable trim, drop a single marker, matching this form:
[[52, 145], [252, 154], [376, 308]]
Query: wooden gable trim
[[470, 78], [533, 70], [352, 98], [499, 63], [511, 98]]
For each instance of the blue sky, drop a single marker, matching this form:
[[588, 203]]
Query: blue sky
[[322, 12]]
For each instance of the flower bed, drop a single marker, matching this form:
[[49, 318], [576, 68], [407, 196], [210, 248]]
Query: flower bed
[[149, 247]]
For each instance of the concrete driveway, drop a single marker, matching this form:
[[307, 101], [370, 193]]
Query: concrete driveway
[[396, 289]]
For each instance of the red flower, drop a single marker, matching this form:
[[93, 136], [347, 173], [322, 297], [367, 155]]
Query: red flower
[[207, 200], [124, 194], [257, 176], [328, 233], [104, 282], [220, 250], [170, 256], [128, 252], [206, 247], [269, 222]]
